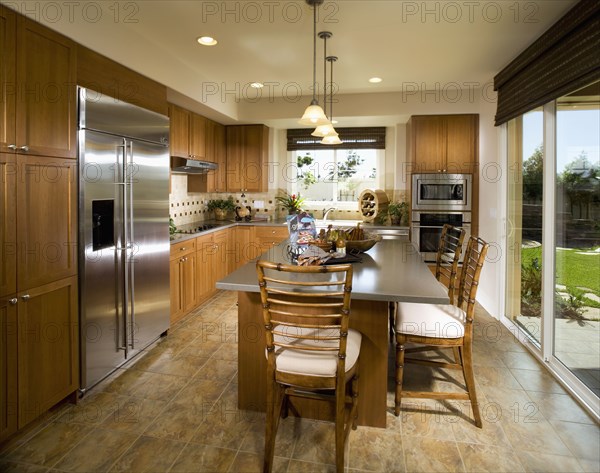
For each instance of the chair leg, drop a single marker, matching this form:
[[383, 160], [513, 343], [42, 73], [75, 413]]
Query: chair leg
[[399, 375], [354, 387], [392, 307], [340, 437], [275, 396], [467, 366]]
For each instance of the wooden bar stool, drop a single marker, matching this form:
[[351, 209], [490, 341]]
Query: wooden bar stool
[[311, 352], [443, 326]]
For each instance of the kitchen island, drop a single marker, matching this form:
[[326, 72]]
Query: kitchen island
[[391, 271]]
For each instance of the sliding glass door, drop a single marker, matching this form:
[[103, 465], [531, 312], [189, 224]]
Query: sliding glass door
[[553, 238]]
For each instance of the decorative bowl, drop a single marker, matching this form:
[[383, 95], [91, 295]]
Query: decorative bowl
[[361, 246], [325, 246]]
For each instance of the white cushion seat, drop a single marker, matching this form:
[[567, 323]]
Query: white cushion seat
[[313, 363], [430, 320]]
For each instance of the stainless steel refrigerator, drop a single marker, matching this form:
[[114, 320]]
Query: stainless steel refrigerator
[[124, 232]]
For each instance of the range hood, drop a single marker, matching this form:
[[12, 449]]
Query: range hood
[[191, 166]]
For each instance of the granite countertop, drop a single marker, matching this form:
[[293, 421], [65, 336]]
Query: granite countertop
[[223, 224], [392, 270]]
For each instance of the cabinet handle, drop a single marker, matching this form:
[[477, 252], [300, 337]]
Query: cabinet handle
[[183, 248], [13, 147], [26, 297], [23, 148], [13, 301]]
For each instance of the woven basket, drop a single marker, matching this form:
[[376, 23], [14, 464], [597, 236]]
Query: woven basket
[[326, 246], [361, 246]]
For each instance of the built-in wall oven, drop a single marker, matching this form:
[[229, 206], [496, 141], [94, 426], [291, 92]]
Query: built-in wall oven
[[427, 229], [438, 199], [448, 192]]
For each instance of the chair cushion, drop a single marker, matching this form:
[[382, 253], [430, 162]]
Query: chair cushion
[[322, 363], [430, 320]]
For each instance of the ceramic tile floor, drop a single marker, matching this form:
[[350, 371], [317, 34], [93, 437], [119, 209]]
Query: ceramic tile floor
[[174, 409]]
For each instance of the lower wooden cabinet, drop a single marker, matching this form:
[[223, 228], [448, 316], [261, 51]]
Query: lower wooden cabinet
[[184, 293], [267, 237], [39, 352], [8, 366], [205, 257]]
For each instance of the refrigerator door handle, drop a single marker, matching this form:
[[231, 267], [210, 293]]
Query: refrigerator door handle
[[121, 255], [130, 171]]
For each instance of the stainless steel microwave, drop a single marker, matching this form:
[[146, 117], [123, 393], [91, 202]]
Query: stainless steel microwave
[[451, 192]]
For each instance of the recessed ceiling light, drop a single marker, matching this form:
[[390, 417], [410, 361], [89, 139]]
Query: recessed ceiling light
[[207, 40], [375, 80], [257, 85]]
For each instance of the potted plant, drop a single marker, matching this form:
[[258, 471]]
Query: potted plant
[[221, 207], [293, 203], [398, 212]]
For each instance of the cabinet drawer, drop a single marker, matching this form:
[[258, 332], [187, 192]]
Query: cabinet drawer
[[271, 233], [183, 248]]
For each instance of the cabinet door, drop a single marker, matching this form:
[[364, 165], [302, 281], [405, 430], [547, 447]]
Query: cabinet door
[[48, 347], [197, 136], [235, 159], [256, 138], [461, 136], [221, 257], [217, 180], [180, 131], [8, 225], [46, 77], [246, 247], [8, 367], [176, 290], [429, 143], [7, 78], [188, 282], [47, 223], [205, 257]]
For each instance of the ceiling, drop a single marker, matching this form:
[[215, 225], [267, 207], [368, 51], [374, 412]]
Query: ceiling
[[408, 44]]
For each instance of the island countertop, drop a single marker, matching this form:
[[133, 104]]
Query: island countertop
[[392, 270]]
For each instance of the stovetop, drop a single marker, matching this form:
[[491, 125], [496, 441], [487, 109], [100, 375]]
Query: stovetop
[[192, 228]]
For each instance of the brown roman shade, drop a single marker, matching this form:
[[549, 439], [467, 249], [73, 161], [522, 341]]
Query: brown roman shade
[[353, 138], [564, 59]]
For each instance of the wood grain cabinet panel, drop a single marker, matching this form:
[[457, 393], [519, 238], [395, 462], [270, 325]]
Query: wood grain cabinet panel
[[176, 296], [8, 366], [8, 225], [46, 105], [47, 220], [216, 152], [48, 347], [221, 263], [247, 154], [197, 136], [7, 78], [205, 267], [179, 137], [267, 237]]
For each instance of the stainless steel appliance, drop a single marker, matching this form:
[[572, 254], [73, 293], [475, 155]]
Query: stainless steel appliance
[[450, 192], [427, 229], [124, 232]]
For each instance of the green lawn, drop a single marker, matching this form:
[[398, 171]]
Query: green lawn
[[573, 269]]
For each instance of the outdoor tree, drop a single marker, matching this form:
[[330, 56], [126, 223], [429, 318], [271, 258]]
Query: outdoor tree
[[533, 176], [581, 181], [345, 170], [307, 177]]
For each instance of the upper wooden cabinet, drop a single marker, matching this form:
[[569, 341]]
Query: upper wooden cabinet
[[216, 152], [8, 225], [7, 78], [443, 143], [247, 153], [188, 133], [46, 220], [46, 105]]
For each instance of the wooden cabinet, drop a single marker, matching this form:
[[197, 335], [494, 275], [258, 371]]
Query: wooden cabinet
[[443, 143], [245, 246], [188, 133], [221, 263], [205, 266], [216, 152], [267, 237], [184, 294], [47, 220], [7, 78], [8, 225], [247, 154], [8, 366], [48, 348], [46, 105]]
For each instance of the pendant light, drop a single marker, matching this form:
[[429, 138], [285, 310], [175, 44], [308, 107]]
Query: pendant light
[[331, 138], [314, 114], [324, 130]]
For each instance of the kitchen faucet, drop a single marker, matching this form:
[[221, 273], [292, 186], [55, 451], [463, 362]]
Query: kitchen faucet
[[326, 212]]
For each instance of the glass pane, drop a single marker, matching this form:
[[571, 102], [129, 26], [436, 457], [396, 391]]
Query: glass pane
[[335, 175], [577, 277], [525, 201]]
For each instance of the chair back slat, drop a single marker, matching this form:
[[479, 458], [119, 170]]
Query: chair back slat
[[471, 272], [448, 255], [297, 307]]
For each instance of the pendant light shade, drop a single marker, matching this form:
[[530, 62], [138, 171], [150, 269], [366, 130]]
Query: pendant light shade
[[323, 130], [332, 139], [314, 114]]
